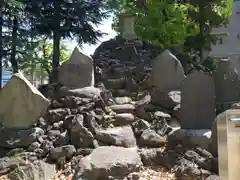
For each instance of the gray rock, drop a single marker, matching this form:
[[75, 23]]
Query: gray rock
[[114, 83], [108, 161], [123, 100], [150, 138], [33, 146], [120, 92], [146, 99], [150, 156], [33, 171], [7, 162], [141, 112], [86, 92], [176, 111], [190, 169], [17, 138], [190, 138], [164, 98], [174, 124], [61, 140], [160, 114], [91, 122], [118, 136], [213, 177], [139, 126], [66, 151], [80, 136], [56, 115], [47, 146], [123, 119], [124, 108]]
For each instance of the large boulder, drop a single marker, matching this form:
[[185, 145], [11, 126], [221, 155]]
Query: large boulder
[[21, 103], [32, 171], [108, 161]]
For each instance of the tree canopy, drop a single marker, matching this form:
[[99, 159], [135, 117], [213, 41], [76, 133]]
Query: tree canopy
[[24, 20], [176, 23]]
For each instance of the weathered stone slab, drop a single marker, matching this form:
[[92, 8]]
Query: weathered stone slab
[[167, 72], [21, 103], [78, 71], [197, 102]]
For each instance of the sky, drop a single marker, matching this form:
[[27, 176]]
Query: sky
[[104, 27]]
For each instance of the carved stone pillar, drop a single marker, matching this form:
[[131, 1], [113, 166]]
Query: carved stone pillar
[[127, 26]]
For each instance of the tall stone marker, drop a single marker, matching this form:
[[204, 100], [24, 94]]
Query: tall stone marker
[[197, 101], [167, 72], [78, 71], [21, 103], [227, 82]]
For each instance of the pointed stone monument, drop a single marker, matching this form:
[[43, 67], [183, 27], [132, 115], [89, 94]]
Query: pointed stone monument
[[167, 72], [78, 71]]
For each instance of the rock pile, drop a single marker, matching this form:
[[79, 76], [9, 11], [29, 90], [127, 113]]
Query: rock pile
[[94, 133], [102, 142], [125, 66]]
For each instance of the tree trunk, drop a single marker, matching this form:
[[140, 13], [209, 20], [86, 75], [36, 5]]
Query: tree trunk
[[14, 45], [202, 34], [56, 43], [45, 66], [32, 74], [1, 45]]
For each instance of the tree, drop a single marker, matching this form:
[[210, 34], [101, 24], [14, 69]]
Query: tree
[[10, 7], [1, 41], [185, 24], [67, 19], [38, 57], [164, 22], [15, 34], [206, 14]]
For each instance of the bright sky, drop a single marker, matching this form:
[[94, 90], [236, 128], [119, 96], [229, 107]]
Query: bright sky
[[105, 27]]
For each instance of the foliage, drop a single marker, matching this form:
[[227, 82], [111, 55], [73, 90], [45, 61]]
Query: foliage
[[185, 24], [207, 14], [77, 18], [164, 23], [25, 20], [211, 63], [38, 56], [16, 31], [67, 19]]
